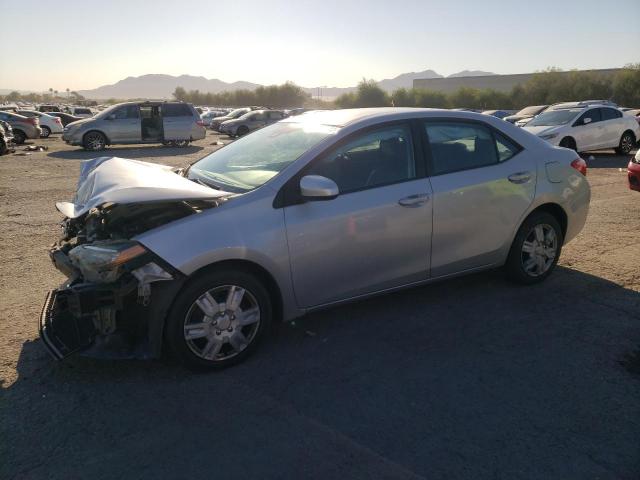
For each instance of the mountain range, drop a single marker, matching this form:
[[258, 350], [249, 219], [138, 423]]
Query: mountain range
[[159, 86]]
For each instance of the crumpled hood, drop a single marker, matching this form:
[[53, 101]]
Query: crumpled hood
[[541, 129], [118, 180]]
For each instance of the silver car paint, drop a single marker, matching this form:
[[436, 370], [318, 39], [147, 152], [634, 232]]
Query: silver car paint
[[249, 228], [129, 130], [119, 180]]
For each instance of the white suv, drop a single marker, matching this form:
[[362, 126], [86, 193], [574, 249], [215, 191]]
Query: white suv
[[586, 127]]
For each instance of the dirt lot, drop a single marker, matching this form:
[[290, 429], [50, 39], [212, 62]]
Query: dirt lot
[[470, 378]]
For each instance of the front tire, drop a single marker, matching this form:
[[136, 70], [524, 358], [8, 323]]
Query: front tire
[[218, 319], [627, 142], [46, 131], [94, 141], [536, 249], [569, 142], [242, 130]]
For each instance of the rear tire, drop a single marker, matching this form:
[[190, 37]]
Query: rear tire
[[228, 333], [19, 136], [535, 250], [3, 146], [627, 142], [568, 142], [46, 131]]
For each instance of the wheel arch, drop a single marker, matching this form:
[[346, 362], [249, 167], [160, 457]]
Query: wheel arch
[[253, 268], [108, 142], [553, 209], [570, 139], [628, 130]]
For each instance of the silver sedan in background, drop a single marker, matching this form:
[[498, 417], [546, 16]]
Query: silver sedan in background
[[309, 212]]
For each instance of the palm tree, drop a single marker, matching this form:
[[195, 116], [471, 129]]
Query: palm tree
[[68, 93]]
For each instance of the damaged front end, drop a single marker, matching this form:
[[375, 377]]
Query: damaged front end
[[118, 292]]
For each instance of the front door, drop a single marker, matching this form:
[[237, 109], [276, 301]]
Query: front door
[[376, 234], [591, 134], [123, 125], [483, 183]]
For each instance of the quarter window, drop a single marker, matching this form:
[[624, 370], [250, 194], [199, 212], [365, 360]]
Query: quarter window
[[376, 158], [462, 146]]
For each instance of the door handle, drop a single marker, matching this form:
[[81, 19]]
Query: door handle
[[520, 177], [413, 201]]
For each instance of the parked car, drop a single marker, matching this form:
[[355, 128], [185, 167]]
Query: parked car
[[251, 121], [526, 113], [208, 116], [49, 108], [82, 112], [633, 172], [499, 113], [169, 123], [582, 128], [23, 127], [65, 118], [48, 123], [309, 212], [232, 115], [6, 137]]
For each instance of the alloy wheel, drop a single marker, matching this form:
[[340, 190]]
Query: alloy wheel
[[626, 144], [94, 141], [221, 323], [539, 250]]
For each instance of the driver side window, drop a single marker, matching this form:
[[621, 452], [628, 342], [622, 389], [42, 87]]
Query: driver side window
[[593, 114], [380, 157], [129, 111]]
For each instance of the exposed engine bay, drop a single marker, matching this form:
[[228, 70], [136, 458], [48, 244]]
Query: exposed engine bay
[[115, 285]]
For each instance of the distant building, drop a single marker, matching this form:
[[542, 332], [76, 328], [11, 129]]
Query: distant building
[[501, 83]]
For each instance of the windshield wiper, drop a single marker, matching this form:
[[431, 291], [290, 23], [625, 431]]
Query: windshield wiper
[[206, 184]]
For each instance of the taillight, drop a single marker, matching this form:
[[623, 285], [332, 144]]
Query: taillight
[[32, 120], [580, 165], [58, 121], [200, 123]]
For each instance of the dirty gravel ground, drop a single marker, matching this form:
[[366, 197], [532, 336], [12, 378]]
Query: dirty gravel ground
[[470, 378]]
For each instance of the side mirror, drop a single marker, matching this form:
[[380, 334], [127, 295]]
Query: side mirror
[[586, 120], [316, 187], [111, 117]]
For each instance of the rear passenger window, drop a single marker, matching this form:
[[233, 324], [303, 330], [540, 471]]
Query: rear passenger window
[[610, 113], [381, 157], [462, 146], [176, 110]]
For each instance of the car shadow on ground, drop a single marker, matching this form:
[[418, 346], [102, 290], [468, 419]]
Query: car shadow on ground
[[127, 152], [469, 378], [607, 160]]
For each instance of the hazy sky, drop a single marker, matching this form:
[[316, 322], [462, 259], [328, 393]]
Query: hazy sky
[[81, 44]]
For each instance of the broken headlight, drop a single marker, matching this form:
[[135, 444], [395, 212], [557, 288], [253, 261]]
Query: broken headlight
[[102, 262]]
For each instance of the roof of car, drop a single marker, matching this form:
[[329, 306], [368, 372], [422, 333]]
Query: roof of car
[[342, 118]]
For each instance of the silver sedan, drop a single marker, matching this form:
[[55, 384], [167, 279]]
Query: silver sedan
[[310, 212]]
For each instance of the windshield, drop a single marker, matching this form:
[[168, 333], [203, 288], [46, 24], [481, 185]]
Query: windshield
[[553, 118], [531, 110], [104, 113], [253, 160]]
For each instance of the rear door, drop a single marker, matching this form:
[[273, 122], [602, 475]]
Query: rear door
[[613, 126], [483, 183], [376, 234], [177, 119]]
